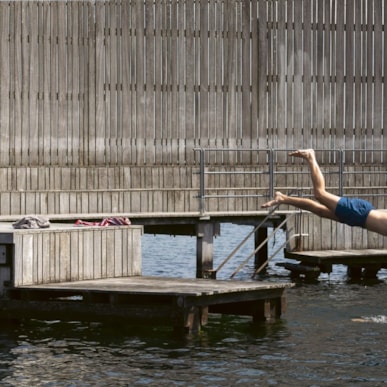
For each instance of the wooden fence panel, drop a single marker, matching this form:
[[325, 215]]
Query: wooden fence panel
[[145, 82]]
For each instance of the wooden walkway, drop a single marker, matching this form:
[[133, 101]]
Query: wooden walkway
[[182, 303], [362, 262]]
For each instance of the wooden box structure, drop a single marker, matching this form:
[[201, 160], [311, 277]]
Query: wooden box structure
[[65, 252]]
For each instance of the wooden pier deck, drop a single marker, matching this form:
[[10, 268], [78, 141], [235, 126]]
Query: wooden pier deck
[[182, 303], [360, 262]]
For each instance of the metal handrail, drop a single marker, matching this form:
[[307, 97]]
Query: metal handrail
[[280, 248], [255, 229], [270, 157], [272, 234]]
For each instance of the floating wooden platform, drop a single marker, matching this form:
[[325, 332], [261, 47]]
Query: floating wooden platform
[[362, 262], [182, 303]]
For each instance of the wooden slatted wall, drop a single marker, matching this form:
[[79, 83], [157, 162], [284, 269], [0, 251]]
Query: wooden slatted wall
[[74, 254], [143, 82]]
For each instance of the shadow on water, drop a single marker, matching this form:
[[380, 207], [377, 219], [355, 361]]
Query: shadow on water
[[219, 328]]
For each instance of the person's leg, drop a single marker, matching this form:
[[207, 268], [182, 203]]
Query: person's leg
[[377, 222], [326, 198], [302, 203]]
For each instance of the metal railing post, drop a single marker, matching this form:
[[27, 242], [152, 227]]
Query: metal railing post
[[202, 182], [271, 173], [341, 169]]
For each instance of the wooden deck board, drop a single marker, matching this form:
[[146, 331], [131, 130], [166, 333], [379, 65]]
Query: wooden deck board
[[360, 263], [161, 286], [151, 215], [340, 256]]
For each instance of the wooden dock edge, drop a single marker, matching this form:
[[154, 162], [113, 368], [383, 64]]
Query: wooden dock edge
[[361, 263], [148, 303]]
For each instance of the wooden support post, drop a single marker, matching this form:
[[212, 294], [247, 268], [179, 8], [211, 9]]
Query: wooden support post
[[6, 254], [189, 318], [195, 318], [354, 272], [261, 255], [270, 309], [371, 271], [205, 247]]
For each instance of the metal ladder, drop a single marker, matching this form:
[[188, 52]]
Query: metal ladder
[[213, 272]]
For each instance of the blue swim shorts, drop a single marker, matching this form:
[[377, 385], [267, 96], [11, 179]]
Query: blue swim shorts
[[353, 211]]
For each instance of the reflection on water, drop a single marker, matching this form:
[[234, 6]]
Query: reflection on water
[[317, 343]]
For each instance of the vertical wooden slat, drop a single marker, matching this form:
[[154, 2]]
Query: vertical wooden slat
[[320, 102], [88, 250], [149, 83], [97, 270], [46, 65], [212, 58], [226, 80], [5, 86], [173, 66], [95, 155], [181, 44], [218, 77], [71, 108], [110, 255], [73, 81], [118, 257], [281, 73], [53, 133], [349, 74], [328, 77], [25, 79], [139, 83], [358, 75], [119, 87], [109, 73], [126, 85], [246, 65], [290, 113], [255, 138], [229, 105], [102, 62], [369, 81], [62, 95], [112, 64], [64, 256], [298, 96], [158, 141], [75, 257], [28, 258], [39, 61], [339, 87], [33, 113], [203, 75], [378, 81], [308, 133], [17, 86], [271, 74], [165, 76], [190, 81]]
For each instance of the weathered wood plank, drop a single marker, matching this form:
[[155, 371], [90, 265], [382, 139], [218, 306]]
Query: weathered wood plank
[[140, 92], [5, 82]]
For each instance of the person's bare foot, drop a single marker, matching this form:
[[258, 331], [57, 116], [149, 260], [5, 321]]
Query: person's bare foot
[[307, 154], [278, 199]]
